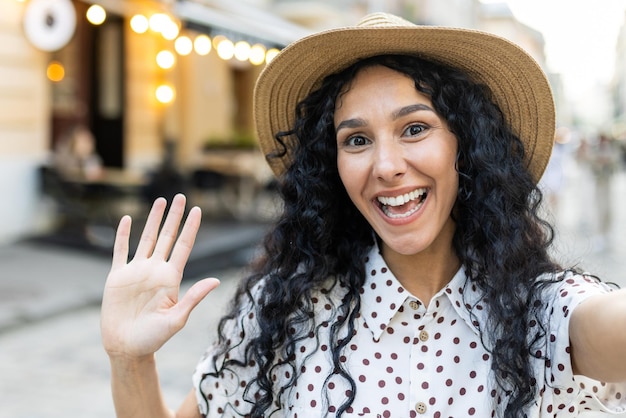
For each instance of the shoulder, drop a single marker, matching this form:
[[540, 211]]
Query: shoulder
[[228, 372], [562, 292], [243, 323]]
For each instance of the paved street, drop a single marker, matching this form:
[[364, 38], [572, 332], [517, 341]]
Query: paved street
[[52, 364], [56, 367]]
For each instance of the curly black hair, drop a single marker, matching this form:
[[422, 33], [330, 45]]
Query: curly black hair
[[500, 238]]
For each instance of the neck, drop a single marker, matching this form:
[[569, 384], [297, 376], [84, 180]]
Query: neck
[[427, 272]]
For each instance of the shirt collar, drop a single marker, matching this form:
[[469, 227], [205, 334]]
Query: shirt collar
[[382, 295], [467, 300]]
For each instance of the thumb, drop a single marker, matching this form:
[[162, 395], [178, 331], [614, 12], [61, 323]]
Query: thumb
[[194, 296]]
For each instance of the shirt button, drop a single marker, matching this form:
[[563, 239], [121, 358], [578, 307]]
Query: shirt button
[[423, 336], [420, 407], [415, 305]]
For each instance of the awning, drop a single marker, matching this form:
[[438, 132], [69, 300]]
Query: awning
[[246, 20], [218, 16]]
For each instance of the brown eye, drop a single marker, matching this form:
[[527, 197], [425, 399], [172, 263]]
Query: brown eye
[[414, 130], [357, 141]]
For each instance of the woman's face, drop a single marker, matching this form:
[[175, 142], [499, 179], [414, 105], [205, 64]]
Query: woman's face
[[396, 159]]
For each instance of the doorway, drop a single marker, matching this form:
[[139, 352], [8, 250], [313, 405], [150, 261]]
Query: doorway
[[92, 92]]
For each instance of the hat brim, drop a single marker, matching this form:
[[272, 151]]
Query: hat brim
[[519, 86]]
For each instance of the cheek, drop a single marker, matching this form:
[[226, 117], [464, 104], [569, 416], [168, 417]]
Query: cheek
[[436, 158], [451, 176], [442, 163], [351, 175]]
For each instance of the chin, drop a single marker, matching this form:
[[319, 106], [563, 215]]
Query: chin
[[405, 247]]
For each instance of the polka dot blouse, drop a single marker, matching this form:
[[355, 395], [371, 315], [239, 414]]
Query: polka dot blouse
[[412, 360]]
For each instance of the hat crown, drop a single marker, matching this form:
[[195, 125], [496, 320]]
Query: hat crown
[[383, 20]]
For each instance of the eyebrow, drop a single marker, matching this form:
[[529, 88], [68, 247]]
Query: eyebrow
[[406, 110], [350, 123]]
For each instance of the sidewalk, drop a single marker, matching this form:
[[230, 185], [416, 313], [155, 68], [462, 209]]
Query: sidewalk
[[56, 368]]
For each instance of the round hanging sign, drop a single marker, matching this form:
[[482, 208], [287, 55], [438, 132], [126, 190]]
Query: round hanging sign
[[49, 24]]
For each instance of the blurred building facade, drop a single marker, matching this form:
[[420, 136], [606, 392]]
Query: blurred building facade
[[110, 76], [106, 77], [24, 109], [618, 86]]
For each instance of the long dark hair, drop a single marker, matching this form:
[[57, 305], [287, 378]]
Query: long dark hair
[[500, 238]]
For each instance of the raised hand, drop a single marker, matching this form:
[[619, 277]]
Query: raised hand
[[141, 308]]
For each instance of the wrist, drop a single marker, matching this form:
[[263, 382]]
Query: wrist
[[131, 362]]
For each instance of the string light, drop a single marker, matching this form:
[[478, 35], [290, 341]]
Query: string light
[[226, 49], [139, 24], [96, 14], [242, 50], [271, 54], [158, 21], [55, 71], [165, 94], [165, 59], [183, 45], [216, 40], [257, 54], [170, 30], [202, 45]]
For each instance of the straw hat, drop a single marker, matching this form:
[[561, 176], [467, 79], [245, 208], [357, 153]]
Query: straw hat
[[518, 84]]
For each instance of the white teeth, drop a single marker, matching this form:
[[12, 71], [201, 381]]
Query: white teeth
[[402, 199], [401, 215]]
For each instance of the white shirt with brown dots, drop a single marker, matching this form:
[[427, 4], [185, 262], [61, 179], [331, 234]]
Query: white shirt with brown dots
[[412, 360]]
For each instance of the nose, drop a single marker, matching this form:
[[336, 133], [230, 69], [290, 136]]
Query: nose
[[389, 162]]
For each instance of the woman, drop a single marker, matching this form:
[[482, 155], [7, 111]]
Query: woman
[[409, 273], [76, 156]]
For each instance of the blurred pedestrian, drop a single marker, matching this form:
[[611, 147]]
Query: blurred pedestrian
[[75, 156], [409, 272], [604, 160]]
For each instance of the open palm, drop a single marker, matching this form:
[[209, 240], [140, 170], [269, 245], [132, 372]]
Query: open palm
[[141, 308]]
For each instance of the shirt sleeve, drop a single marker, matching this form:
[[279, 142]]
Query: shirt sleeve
[[575, 393]]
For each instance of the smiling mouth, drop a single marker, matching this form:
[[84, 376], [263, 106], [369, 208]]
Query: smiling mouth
[[397, 207]]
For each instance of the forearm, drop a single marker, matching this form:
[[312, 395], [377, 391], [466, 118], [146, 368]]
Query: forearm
[[136, 389]]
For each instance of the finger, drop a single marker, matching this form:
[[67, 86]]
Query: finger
[[192, 298], [120, 247], [185, 241], [168, 233], [151, 229]]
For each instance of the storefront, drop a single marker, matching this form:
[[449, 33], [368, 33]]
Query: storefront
[[139, 75]]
